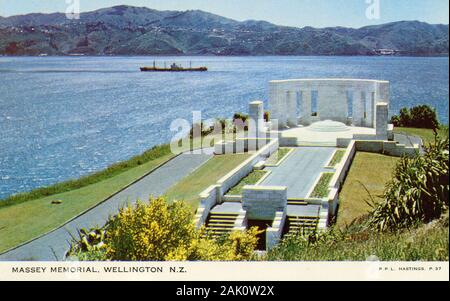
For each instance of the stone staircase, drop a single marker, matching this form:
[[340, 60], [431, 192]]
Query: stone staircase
[[219, 224], [301, 225]]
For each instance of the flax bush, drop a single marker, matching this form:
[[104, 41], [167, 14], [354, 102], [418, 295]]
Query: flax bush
[[358, 243], [418, 192]]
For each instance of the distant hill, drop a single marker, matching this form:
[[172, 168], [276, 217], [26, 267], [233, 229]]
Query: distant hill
[[127, 30]]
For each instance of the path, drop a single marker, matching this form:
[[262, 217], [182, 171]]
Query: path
[[300, 170], [56, 243]]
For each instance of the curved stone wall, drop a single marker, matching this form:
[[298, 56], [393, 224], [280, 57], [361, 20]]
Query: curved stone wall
[[291, 101]]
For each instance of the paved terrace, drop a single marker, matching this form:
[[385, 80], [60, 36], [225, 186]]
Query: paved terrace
[[325, 136], [53, 246], [300, 170]]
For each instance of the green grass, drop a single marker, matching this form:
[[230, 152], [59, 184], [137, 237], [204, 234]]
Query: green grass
[[337, 158], [111, 171], [427, 135], [368, 171], [321, 189], [426, 243], [208, 174], [28, 219], [28, 215], [278, 155], [251, 179]]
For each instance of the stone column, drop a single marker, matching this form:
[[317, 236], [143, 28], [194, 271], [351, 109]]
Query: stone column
[[272, 101], [383, 93], [306, 107], [358, 108], [382, 112], [291, 100], [372, 109], [256, 114], [282, 118], [277, 104]]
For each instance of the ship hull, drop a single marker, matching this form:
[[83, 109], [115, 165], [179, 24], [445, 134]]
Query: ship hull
[[151, 69]]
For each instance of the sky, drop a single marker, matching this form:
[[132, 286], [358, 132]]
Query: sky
[[298, 13]]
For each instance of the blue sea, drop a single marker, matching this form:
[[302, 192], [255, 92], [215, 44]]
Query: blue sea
[[64, 117]]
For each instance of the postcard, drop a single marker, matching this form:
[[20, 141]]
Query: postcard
[[250, 140]]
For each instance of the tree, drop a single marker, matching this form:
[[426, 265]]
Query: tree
[[422, 116]]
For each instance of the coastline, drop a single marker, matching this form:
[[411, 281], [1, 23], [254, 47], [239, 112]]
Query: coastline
[[234, 55]]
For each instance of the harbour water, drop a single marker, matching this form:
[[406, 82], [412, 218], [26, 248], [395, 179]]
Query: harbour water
[[64, 117]]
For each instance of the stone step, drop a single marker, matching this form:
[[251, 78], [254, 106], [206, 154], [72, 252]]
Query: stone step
[[297, 203], [219, 228], [224, 214], [302, 227], [227, 221], [292, 217], [303, 224]]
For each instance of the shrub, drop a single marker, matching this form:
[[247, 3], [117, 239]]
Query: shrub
[[157, 232], [237, 246], [240, 116], [418, 191], [149, 232], [424, 117], [358, 243], [419, 117], [200, 128], [266, 116]]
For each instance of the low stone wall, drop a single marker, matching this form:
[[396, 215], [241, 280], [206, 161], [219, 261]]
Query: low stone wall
[[288, 142], [341, 171], [344, 166], [232, 198], [241, 222], [390, 148], [333, 202], [263, 202], [213, 195], [236, 175], [274, 233], [208, 199], [323, 217], [399, 150], [240, 145]]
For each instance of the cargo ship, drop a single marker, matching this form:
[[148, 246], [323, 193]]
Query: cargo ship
[[173, 68]]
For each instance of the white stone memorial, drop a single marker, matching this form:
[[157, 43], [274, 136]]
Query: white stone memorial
[[305, 101]]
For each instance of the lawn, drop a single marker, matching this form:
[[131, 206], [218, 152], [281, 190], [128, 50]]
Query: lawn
[[109, 172], [368, 170], [427, 135], [321, 189], [337, 158], [251, 179], [28, 215], [208, 174], [277, 156], [29, 219]]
